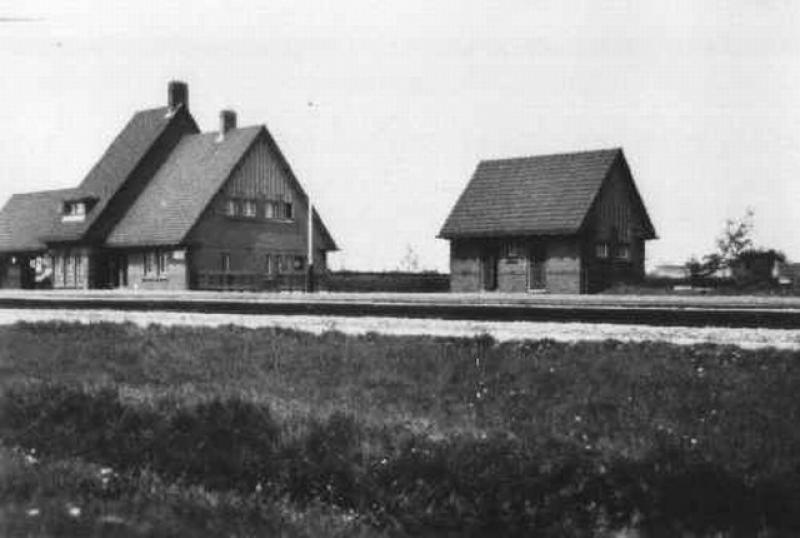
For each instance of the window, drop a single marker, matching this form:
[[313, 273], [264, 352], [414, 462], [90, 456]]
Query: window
[[74, 211], [299, 263], [512, 249], [268, 265], [623, 252], [278, 210], [78, 269], [69, 270], [58, 268], [155, 263], [231, 207], [225, 262], [282, 264], [601, 250], [161, 256], [74, 208], [249, 208]]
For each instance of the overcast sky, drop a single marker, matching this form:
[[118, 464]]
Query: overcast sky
[[704, 97]]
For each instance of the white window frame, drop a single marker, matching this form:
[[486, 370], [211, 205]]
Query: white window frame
[[162, 264], [147, 263], [231, 207], [74, 212], [249, 207]]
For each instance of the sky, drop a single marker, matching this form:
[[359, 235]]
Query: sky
[[384, 109]]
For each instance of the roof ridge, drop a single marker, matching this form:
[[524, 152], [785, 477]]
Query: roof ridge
[[45, 191], [559, 154], [151, 109], [255, 127]]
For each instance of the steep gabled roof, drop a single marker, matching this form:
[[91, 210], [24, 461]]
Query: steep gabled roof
[[184, 186], [548, 194], [27, 217], [327, 238], [116, 165]]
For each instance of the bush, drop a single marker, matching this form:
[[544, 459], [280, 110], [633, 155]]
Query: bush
[[465, 484], [466, 435]]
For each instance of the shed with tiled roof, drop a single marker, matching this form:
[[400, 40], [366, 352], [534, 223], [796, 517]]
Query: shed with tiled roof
[[564, 223]]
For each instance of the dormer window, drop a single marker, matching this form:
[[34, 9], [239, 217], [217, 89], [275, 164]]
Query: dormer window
[[74, 211]]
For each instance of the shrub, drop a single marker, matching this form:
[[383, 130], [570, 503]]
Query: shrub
[[465, 435]]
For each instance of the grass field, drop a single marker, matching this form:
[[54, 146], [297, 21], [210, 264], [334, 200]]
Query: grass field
[[113, 429]]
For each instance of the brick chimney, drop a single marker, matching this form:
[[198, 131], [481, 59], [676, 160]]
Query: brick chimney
[[178, 94], [227, 121]]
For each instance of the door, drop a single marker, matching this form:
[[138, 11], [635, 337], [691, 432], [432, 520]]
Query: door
[[536, 267], [27, 275], [489, 270], [122, 269], [111, 262]]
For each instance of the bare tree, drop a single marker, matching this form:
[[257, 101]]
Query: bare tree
[[735, 239], [410, 261]]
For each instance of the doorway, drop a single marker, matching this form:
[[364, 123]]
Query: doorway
[[489, 270], [537, 276]]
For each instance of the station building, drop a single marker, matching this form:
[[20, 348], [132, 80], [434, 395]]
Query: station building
[[565, 223], [169, 207]]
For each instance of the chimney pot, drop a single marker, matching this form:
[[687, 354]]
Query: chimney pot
[[227, 121], [178, 94]]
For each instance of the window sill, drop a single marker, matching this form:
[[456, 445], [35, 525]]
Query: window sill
[[243, 218], [155, 278]]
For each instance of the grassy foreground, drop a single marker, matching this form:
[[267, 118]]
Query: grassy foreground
[[231, 431]]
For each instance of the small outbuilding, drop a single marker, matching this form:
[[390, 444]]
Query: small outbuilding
[[564, 223]]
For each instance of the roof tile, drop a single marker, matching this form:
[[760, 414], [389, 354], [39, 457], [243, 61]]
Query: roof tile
[[548, 194]]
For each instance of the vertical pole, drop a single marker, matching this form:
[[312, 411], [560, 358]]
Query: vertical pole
[[310, 240], [312, 107]]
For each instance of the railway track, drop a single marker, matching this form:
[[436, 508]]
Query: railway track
[[774, 313]]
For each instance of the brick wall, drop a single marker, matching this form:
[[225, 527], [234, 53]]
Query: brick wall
[[512, 275], [465, 267], [174, 278], [563, 267]]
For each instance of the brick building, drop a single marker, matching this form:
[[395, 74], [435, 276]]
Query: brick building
[[566, 223], [168, 207]]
